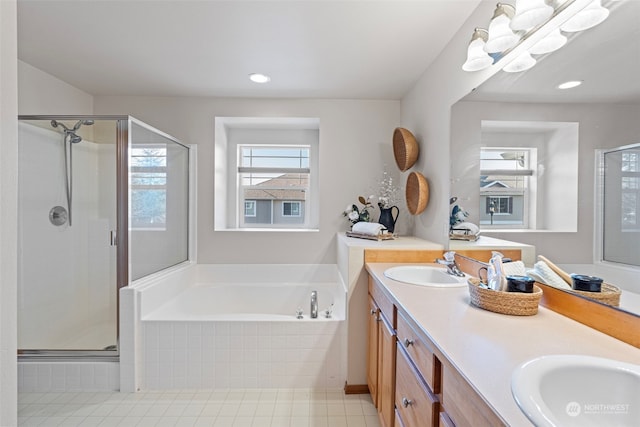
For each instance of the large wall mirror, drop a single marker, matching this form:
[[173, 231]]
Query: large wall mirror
[[526, 155]]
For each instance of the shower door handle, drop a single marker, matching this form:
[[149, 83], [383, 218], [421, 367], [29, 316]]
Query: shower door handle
[[114, 237]]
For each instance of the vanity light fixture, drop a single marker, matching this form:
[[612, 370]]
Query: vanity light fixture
[[526, 19], [501, 36], [588, 17], [530, 13], [259, 78], [570, 84], [477, 58]]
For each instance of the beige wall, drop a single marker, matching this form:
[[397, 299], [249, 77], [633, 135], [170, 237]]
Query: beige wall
[[426, 111], [41, 93], [8, 212], [355, 143]]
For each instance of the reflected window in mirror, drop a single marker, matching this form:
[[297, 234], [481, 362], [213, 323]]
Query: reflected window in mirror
[[507, 186]]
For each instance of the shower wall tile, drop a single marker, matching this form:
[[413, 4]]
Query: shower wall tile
[[243, 354], [68, 376]]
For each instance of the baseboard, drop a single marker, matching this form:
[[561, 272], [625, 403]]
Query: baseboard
[[356, 388]]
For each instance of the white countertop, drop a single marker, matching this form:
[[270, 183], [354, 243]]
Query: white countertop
[[400, 242], [486, 347]]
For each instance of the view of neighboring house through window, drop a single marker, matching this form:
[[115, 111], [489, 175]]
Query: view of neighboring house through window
[[148, 165], [273, 185], [506, 176]]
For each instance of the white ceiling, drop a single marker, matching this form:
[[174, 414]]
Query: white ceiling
[[311, 49], [606, 58]]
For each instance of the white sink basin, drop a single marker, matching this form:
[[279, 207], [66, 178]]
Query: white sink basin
[[580, 391], [423, 275]]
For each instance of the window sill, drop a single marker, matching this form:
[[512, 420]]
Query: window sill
[[271, 230], [522, 230]]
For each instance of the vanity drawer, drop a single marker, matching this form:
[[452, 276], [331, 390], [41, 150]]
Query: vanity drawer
[[463, 404], [384, 303], [420, 352], [417, 406]]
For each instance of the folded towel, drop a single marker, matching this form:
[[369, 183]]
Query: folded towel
[[514, 268], [368, 228], [465, 229], [544, 274]]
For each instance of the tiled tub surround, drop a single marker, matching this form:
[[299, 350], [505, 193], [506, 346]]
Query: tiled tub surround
[[235, 326]]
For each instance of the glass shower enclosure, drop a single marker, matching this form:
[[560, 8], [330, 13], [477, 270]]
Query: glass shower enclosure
[[103, 200]]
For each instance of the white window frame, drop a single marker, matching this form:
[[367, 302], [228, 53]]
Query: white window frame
[[254, 204], [529, 172], [292, 202]]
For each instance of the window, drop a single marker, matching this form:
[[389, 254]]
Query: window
[[505, 183], [266, 174], [250, 208], [291, 208], [500, 205], [275, 179], [148, 186]]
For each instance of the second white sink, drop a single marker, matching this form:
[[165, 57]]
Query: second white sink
[[424, 275], [578, 391]]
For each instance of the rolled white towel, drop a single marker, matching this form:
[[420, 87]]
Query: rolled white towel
[[514, 268], [368, 228], [544, 274]]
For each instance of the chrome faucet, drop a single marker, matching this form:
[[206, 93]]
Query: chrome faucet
[[314, 304], [450, 261]]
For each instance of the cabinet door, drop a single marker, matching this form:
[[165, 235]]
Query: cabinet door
[[372, 349], [386, 373], [417, 406]]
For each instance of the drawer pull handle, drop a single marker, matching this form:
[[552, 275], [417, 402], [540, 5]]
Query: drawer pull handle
[[406, 402], [373, 312], [408, 342]]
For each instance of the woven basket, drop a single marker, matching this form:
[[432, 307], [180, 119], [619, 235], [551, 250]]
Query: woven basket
[[405, 148], [512, 303], [417, 193], [608, 294]]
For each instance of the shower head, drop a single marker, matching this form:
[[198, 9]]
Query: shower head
[[86, 122], [55, 124], [75, 138]]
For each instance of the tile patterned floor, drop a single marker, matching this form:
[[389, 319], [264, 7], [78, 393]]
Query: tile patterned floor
[[197, 408]]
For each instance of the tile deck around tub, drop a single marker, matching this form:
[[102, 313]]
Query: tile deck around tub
[[196, 408]]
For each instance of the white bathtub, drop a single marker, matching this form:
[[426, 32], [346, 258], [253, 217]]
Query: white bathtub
[[235, 326], [251, 302]]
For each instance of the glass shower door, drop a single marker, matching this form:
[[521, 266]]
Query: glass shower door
[[67, 293]]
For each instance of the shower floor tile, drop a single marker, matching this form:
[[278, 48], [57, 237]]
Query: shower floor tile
[[199, 408]]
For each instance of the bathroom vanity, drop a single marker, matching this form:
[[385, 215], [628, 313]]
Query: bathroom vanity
[[436, 360]]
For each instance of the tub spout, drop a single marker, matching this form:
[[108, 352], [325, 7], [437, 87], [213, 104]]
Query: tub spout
[[314, 304]]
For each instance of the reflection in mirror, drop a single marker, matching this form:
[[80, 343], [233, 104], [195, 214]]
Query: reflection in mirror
[[513, 117], [620, 205]]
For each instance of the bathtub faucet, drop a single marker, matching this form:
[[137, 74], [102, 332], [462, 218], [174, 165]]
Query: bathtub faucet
[[314, 304]]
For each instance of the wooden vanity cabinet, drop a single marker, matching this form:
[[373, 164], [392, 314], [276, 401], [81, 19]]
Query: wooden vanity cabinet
[[411, 382], [381, 362]]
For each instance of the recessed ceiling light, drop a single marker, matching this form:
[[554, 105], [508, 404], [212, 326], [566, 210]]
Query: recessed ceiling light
[[570, 84], [259, 78]]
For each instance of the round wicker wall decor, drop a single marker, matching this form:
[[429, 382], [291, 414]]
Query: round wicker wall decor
[[417, 193], [405, 148]]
